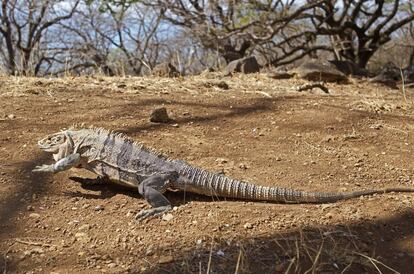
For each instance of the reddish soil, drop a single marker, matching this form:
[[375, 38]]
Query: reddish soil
[[260, 130]]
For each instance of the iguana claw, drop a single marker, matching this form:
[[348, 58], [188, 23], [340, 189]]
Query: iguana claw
[[43, 168], [143, 214]]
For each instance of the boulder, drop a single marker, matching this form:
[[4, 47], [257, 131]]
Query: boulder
[[319, 71], [165, 69], [243, 65]]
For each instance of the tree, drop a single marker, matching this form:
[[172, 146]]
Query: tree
[[26, 27], [277, 29], [359, 28]]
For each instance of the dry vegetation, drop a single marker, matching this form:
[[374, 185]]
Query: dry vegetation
[[359, 136]]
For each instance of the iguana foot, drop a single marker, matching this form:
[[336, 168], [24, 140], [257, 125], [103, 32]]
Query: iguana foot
[[143, 214], [100, 180], [43, 168]]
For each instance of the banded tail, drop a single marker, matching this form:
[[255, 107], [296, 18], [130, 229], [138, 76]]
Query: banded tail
[[200, 181]]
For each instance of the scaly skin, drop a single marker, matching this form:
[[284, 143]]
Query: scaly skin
[[125, 162]]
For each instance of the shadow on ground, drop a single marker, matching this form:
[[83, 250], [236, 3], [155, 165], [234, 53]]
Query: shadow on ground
[[25, 184], [363, 247]]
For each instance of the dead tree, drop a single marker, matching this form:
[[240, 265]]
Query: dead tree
[[359, 28], [115, 39], [27, 29], [277, 29]]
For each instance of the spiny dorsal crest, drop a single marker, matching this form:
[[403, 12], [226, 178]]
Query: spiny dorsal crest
[[119, 137]]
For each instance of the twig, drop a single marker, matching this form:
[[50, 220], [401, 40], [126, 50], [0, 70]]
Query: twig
[[5, 258], [403, 84], [33, 243], [265, 94], [238, 262], [397, 129], [209, 257], [373, 261]]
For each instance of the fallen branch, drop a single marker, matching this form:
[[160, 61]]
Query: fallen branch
[[308, 86], [32, 243]]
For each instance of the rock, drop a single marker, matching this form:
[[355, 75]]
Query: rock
[[164, 259], [245, 65], [11, 116], [165, 69], [34, 215], [281, 74], [160, 115], [220, 253], [98, 208], [390, 74], [319, 71], [82, 237], [167, 217], [111, 265], [280, 267], [221, 160], [84, 227], [223, 85], [349, 68], [248, 226]]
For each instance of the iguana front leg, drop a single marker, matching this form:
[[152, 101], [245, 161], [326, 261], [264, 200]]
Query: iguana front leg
[[151, 189], [66, 163]]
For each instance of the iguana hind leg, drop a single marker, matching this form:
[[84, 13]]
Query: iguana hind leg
[[152, 190]]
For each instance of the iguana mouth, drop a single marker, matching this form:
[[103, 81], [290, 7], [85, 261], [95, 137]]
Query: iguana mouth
[[47, 148]]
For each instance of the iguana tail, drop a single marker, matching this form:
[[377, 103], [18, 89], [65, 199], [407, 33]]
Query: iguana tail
[[200, 181]]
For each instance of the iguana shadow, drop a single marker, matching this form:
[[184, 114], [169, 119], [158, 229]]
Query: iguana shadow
[[108, 190]]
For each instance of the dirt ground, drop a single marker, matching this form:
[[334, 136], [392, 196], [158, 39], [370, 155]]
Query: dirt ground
[[261, 130]]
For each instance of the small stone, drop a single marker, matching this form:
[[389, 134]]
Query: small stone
[[221, 160], [167, 217], [159, 115], [164, 259], [248, 226], [223, 85], [11, 116], [84, 227], [220, 252], [376, 126], [111, 265], [130, 213], [98, 208], [82, 237], [243, 166], [30, 208], [280, 268], [37, 250], [34, 215]]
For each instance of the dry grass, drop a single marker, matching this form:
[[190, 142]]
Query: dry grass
[[303, 251]]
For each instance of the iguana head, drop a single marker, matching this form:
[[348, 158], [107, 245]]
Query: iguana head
[[60, 144]]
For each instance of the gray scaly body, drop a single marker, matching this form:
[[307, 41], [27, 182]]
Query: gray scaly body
[[128, 163]]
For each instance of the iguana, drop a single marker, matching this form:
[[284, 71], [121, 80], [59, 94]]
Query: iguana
[[121, 160]]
